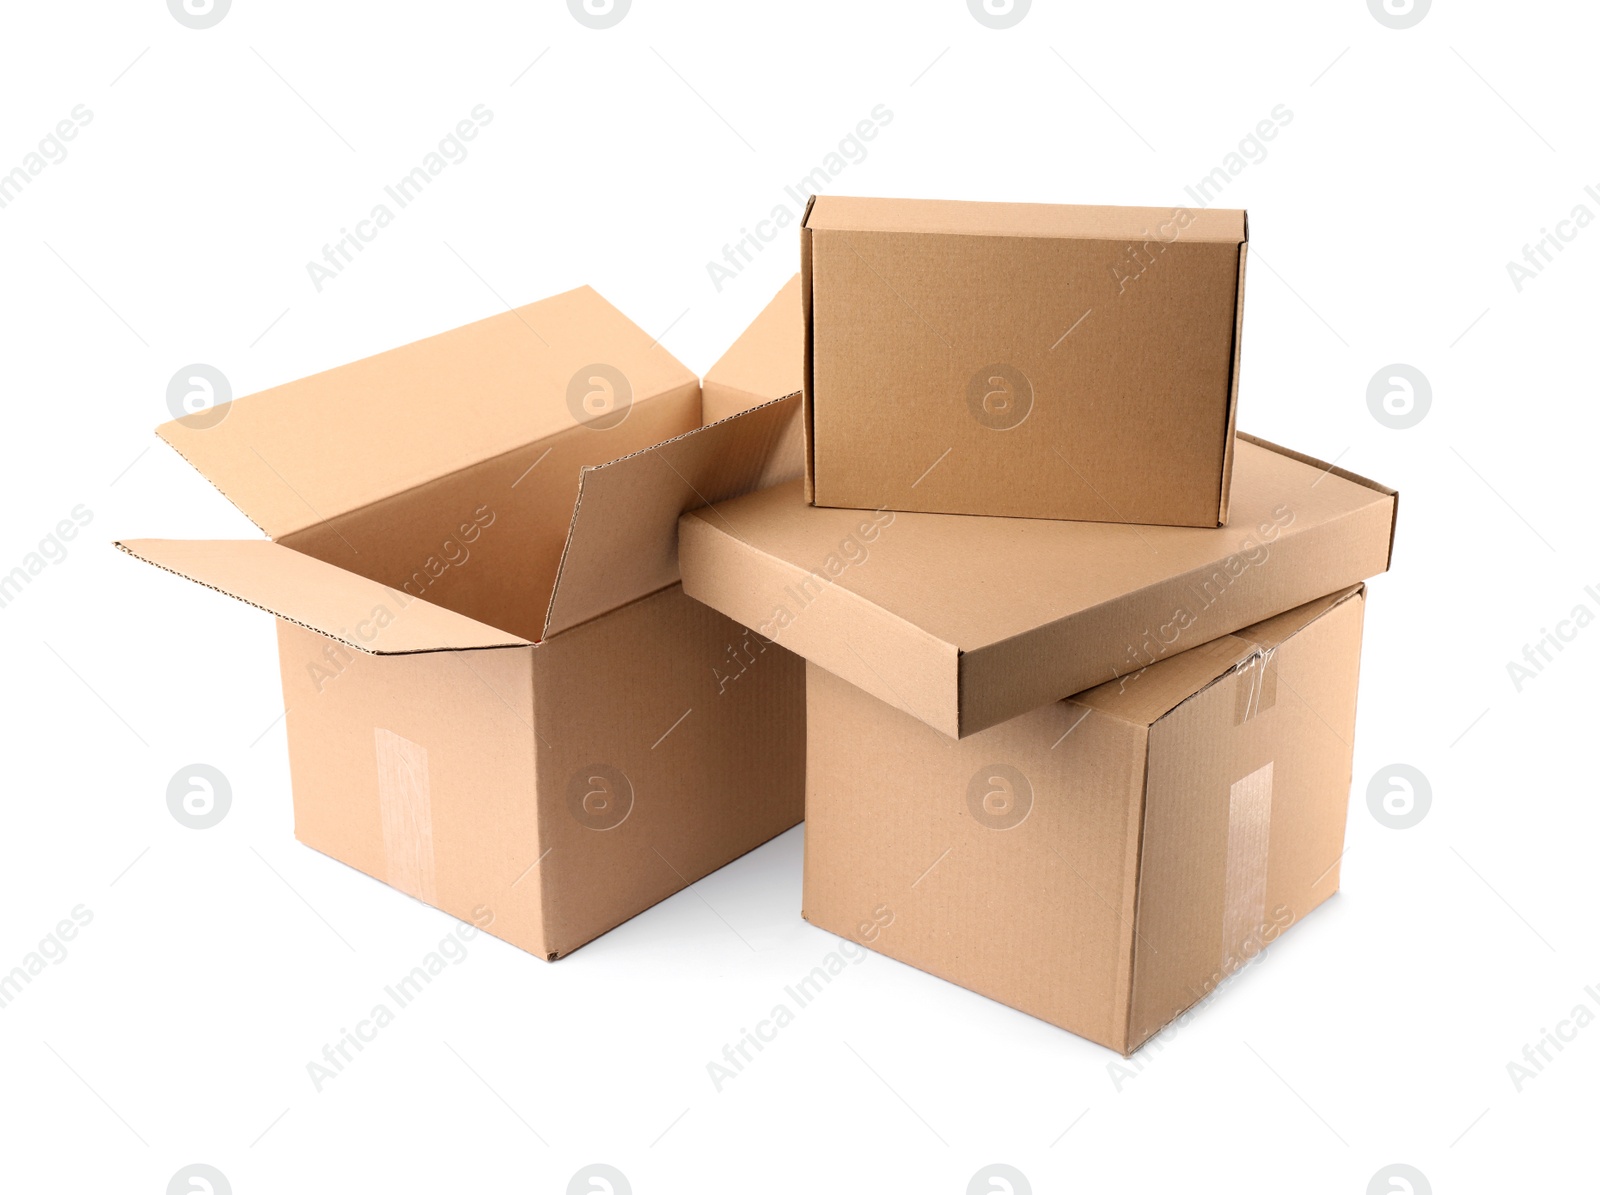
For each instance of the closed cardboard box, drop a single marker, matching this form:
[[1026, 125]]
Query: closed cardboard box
[[499, 700], [965, 622], [1035, 360], [1108, 861]]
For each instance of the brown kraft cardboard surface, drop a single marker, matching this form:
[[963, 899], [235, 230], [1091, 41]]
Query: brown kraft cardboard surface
[[498, 698], [966, 622], [1108, 861], [1037, 360]]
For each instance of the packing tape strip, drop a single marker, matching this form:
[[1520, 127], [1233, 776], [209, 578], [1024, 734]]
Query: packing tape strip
[[1260, 690], [1244, 902], [405, 807]]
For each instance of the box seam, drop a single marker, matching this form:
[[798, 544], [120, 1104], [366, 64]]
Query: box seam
[[1234, 362], [1259, 652], [807, 356], [1128, 1046]]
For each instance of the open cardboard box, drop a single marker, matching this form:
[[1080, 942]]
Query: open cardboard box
[[1023, 359], [498, 698], [763, 364], [1104, 862]]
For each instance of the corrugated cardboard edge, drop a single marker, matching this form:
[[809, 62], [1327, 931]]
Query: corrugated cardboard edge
[[1233, 384], [1129, 1046], [516, 641], [214, 484], [747, 399], [1303, 458], [807, 375], [1306, 459], [1129, 961], [721, 428]]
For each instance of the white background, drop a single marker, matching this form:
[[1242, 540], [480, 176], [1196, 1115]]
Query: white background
[[177, 229]]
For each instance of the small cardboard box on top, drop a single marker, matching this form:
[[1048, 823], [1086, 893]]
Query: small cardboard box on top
[[1024, 359], [1108, 861], [498, 698]]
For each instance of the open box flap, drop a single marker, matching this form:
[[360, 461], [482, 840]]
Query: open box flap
[[765, 362], [623, 542], [359, 613], [311, 450]]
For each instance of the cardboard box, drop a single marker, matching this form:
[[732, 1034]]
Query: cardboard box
[[498, 698], [1106, 862], [1022, 359], [966, 622], [764, 363]]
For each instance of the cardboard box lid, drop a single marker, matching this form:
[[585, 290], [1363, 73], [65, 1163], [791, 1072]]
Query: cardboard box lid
[[965, 622], [766, 361], [845, 213], [321, 597], [311, 450]]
